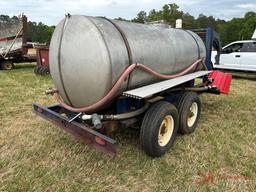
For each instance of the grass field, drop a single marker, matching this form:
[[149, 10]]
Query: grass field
[[37, 156]]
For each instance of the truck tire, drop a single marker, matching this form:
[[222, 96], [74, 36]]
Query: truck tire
[[189, 109], [159, 128], [7, 65]]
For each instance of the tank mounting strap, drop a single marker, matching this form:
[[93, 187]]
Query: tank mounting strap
[[59, 62], [127, 45]]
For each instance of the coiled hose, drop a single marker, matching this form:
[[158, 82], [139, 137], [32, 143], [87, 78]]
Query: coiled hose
[[118, 83]]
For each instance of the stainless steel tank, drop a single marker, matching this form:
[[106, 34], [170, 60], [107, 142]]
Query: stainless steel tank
[[88, 54]]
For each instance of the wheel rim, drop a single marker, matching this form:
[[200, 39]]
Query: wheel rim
[[192, 114], [165, 130], [8, 66]]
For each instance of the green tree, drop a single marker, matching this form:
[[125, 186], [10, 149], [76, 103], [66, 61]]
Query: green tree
[[204, 21], [155, 15], [171, 13], [121, 19], [188, 21], [141, 17], [39, 32]]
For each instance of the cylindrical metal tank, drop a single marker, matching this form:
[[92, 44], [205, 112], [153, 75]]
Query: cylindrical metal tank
[[88, 54]]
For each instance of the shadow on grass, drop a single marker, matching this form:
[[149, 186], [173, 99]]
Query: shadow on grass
[[238, 77], [244, 75], [21, 66]]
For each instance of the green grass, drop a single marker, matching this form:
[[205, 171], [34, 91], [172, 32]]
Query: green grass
[[37, 156]]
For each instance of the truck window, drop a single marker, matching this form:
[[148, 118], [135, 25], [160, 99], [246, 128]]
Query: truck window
[[236, 47], [249, 47]]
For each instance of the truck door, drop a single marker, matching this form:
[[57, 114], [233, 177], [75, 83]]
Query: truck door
[[248, 55], [231, 56]]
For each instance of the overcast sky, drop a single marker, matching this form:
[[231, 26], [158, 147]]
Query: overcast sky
[[52, 11]]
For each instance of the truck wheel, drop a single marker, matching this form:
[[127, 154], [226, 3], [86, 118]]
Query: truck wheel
[[7, 65], [159, 128], [189, 109]]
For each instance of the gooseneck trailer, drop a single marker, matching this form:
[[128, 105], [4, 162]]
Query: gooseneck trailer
[[111, 74]]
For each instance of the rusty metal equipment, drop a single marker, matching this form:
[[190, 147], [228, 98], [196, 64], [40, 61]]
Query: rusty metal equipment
[[42, 67], [14, 47]]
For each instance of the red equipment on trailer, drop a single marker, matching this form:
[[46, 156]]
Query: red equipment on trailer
[[42, 67]]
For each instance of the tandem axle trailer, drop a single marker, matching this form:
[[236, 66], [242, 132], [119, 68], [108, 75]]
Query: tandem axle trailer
[[161, 110]]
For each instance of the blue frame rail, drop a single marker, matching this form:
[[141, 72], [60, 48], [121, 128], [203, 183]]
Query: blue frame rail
[[210, 38]]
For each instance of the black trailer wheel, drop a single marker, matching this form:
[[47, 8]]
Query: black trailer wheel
[[159, 128], [189, 108], [41, 71], [7, 65], [45, 71], [36, 70]]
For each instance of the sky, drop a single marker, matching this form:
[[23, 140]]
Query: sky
[[52, 11]]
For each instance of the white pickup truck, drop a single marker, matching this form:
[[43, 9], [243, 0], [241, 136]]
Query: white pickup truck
[[237, 56]]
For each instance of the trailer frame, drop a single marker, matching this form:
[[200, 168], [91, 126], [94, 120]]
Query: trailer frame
[[74, 124]]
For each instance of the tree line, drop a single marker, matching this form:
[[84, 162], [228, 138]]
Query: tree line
[[235, 29], [39, 32], [36, 32]]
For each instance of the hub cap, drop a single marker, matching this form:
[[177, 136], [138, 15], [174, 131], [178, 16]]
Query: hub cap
[[8, 66], [165, 130], [192, 114]]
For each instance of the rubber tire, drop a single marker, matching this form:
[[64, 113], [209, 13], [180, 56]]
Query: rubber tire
[[4, 67], [150, 128], [41, 71], [36, 70], [183, 109], [45, 71]]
